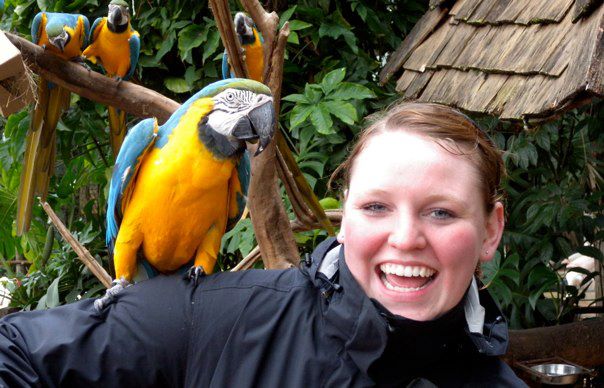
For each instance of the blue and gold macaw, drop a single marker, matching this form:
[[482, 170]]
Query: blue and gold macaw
[[251, 42], [176, 188], [115, 45], [64, 35]]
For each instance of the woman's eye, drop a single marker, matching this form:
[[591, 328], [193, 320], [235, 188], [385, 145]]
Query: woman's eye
[[374, 207], [441, 214]]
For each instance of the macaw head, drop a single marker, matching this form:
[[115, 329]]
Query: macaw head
[[242, 112], [58, 35], [244, 26], [119, 14]]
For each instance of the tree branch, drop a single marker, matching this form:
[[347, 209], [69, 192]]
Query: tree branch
[[134, 99], [79, 249], [579, 342]]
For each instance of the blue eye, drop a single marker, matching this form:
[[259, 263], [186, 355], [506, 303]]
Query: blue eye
[[441, 214], [374, 208]]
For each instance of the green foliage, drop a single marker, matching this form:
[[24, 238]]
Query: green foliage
[[554, 207]]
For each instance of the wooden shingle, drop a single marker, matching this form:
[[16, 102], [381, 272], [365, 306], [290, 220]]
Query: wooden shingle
[[513, 58]]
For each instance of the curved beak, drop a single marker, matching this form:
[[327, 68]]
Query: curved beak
[[60, 41], [263, 123], [257, 125], [115, 16]]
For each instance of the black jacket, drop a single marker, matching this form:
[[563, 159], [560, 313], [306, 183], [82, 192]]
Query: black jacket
[[291, 328]]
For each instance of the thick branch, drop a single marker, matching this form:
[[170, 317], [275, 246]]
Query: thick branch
[[271, 224], [578, 342], [134, 99]]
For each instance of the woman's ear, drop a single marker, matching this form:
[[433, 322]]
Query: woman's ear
[[494, 230]]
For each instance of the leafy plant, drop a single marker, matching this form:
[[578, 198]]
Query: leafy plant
[[554, 204]]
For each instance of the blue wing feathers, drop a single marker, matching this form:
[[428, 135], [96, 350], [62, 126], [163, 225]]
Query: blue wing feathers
[[134, 53], [136, 144], [35, 28], [95, 25], [243, 172]]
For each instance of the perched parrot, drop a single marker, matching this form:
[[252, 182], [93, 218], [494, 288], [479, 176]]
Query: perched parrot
[[251, 42], [176, 188], [64, 35], [115, 45]]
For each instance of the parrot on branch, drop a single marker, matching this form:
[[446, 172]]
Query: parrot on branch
[[115, 45], [64, 35], [252, 44], [176, 188]]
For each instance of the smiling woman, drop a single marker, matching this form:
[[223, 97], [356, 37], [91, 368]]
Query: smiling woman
[[421, 208], [393, 302]]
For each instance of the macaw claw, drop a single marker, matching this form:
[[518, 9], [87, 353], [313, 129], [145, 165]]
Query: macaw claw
[[81, 60], [195, 274], [110, 294]]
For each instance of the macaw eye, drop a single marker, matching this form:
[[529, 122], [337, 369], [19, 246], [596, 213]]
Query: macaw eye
[[230, 96]]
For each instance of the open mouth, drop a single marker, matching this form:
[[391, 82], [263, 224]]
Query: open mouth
[[406, 278]]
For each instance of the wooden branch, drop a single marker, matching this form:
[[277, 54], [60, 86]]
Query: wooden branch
[[134, 99], [271, 224], [579, 342], [224, 22], [248, 261], [79, 249]]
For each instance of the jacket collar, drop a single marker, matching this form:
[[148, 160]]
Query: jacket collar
[[352, 317]]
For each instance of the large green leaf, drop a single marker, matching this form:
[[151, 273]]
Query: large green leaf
[[299, 114], [342, 110], [321, 119], [351, 91], [332, 79]]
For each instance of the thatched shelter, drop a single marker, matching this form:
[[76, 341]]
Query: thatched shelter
[[516, 59]]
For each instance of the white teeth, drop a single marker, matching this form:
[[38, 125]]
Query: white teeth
[[401, 289], [407, 271]]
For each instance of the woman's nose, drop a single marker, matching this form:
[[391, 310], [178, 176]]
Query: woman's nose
[[407, 233]]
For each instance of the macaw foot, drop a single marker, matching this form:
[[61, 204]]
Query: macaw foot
[[81, 60], [118, 80], [110, 294], [195, 274]]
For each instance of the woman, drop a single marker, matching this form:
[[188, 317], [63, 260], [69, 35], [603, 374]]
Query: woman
[[391, 302]]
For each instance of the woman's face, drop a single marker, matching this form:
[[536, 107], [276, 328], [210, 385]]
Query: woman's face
[[415, 225]]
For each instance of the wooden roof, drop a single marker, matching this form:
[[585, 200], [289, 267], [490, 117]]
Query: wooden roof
[[511, 58]]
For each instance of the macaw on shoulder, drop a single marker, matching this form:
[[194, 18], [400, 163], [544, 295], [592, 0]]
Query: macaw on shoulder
[[66, 36], [176, 188], [115, 46], [252, 44]]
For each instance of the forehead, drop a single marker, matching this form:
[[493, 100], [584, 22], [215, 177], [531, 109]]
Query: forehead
[[392, 157]]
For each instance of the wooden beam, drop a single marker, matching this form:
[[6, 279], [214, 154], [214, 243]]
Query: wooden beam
[[132, 98], [579, 342]]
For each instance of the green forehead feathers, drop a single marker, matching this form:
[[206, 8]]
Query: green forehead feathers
[[119, 2]]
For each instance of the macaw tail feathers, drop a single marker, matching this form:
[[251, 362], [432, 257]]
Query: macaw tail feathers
[[40, 150], [117, 128]]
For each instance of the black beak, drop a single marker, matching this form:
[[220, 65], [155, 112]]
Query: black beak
[[115, 16], [258, 125], [263, 122]]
